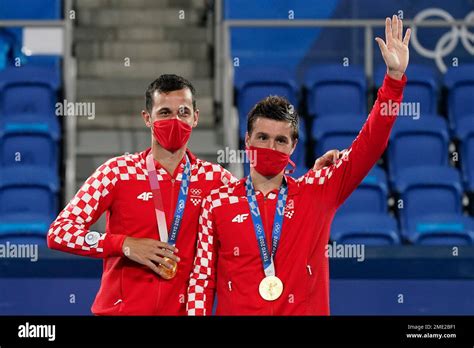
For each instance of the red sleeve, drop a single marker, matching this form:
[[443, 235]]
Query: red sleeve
[[70, 231], [343, 177], [202, 280]]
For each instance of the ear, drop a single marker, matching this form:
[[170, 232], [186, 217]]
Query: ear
[[294, 146], [196, 118], [247, 139], [147, 118]]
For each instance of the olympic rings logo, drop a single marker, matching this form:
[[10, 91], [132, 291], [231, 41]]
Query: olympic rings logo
[[196, 192], [277, 228], [448, 42]]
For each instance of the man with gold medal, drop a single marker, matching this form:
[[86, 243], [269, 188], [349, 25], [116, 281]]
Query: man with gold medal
[[262, 240]]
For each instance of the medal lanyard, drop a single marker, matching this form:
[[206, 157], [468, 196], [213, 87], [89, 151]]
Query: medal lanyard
[[267, 259], [158, 201]]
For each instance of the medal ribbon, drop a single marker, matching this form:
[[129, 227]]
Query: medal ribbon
[[267, 258], [158, 200]]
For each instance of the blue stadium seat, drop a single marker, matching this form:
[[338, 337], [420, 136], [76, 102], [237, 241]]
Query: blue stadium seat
[[4, 49], [465, 134], [421, 86], [11, 47], [365, 228], [335, 132], [28, 90], [29, 140], [460, 84], [14, 36], [441, 229], [24, 226], [27, 9], [49, 61], [299, 155], [28, 190], [335, 89], [417, 142], [427, 190], [369, 197], [256, 83]]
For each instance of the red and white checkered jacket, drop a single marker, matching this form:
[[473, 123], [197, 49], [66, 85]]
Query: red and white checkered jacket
[[120, 187], [228, 258]]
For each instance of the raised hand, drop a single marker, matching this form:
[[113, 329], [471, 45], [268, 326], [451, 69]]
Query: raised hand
[[394, 50]]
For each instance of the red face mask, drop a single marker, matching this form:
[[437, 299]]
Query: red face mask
[[172, 134], [268, 162]]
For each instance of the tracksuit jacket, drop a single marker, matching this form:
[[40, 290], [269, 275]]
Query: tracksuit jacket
[[120, 187]]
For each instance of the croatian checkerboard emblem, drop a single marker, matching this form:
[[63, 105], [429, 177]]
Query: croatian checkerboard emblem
[[195, 196], [290, 209]]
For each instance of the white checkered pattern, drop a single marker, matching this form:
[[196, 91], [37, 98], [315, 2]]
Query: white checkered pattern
[[210, 171], [202, 279], [321, 176], [195, 201], [94, 197], [289, 213], [72, 224], [131, 167]]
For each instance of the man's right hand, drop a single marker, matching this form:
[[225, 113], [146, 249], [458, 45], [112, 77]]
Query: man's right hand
[[150, 252]]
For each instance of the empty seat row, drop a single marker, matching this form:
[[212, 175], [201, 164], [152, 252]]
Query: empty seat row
[[334, 89], [372, 229], [412, 142], [429, 208]]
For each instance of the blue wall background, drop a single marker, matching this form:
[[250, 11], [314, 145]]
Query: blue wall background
[[296, 48], [431, 280], [51, 296]]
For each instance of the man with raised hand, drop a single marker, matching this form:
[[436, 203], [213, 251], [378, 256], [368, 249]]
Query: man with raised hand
[[261, 242], [152, 200]]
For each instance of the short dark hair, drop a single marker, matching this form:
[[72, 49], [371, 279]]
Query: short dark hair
[[167, 83], [275, 108]]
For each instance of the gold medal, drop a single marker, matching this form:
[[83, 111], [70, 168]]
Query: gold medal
[[166, 272], [270, 288]]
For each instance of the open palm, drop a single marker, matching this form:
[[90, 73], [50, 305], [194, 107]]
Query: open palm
[[395, 51]]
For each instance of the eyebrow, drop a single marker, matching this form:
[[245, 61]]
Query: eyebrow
[[165, 108], [280, 137]]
